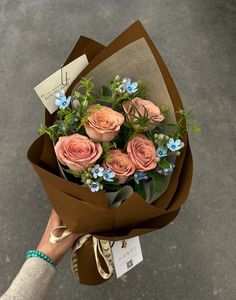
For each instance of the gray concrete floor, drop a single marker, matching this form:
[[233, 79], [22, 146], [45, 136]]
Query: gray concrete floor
[[192, 258]]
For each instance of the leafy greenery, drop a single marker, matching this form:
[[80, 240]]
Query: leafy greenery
[[71, 119], [85, 93], [184, 122], [111, 94]]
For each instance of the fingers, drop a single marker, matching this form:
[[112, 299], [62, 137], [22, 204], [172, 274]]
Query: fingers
[[56, 251], [69, 241], [55, 219]]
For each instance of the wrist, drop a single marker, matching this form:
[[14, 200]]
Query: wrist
[[40, 255], [50, 253]]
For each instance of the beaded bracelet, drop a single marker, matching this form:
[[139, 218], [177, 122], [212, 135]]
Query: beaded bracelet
[[39, 254]]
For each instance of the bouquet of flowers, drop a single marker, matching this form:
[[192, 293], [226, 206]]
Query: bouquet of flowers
[[114, 158], [116, 139]]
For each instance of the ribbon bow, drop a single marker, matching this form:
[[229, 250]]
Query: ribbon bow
[[101, 247]]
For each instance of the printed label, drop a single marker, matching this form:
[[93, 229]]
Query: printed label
[[126, 255]]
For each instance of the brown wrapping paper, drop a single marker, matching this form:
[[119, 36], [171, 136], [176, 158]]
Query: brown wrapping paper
[[84, 211]]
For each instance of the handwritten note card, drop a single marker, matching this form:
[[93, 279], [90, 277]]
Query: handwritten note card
[[61, 79]]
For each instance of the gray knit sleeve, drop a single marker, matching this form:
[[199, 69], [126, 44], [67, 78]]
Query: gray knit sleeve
[[32, 282]]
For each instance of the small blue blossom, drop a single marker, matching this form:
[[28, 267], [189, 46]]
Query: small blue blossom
[[174, 145], [108, 175], [138, 176], [97, 171], [94, 187], [131, 87], [61, 101], [125, 80], [161, 152], [165, 172]]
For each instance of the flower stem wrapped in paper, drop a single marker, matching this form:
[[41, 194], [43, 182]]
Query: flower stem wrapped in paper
[[115, 159]]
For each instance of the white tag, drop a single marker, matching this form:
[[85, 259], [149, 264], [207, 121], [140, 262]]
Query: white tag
[[61, 79], [126, 255]]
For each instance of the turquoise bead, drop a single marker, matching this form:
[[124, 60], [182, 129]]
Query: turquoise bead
[[36, 253]]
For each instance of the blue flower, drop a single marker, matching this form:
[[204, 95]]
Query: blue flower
[[138, 176], [108, 175], [165, 172], [174, 145], [97, 171], [161, 152], [61, 101], [94, 187], [131, 87]]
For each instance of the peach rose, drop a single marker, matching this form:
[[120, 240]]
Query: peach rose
[[77, 152], [142, 153], [143, 106], [103, 123], [120, 163]]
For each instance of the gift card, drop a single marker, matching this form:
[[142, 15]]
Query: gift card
[[126, 255], [61, 79]]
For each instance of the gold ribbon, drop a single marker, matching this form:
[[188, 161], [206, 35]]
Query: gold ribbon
[[101, 247], [54, 239]]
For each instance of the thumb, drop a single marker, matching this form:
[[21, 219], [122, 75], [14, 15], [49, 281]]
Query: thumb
[[68, 241]]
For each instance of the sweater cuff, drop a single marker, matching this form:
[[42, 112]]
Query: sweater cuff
[[32, 282]]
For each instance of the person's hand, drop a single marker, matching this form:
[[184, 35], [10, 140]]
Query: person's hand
[[56, 251]]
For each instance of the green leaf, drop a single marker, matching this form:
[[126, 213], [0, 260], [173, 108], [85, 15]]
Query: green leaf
[[92, 97], [164, 164], [184, 123], [139, 188], [156, 178], [106, 99], [73, 172], [42, 129], [165, 110], [105, 91], [195, 127], [128, 124], [142, 90]]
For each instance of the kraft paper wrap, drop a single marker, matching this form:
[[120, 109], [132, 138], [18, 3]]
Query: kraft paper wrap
[[87, 212]]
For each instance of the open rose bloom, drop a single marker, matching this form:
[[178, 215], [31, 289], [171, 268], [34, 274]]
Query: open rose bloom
[[103, 124], [114, 158], [138, 106]]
